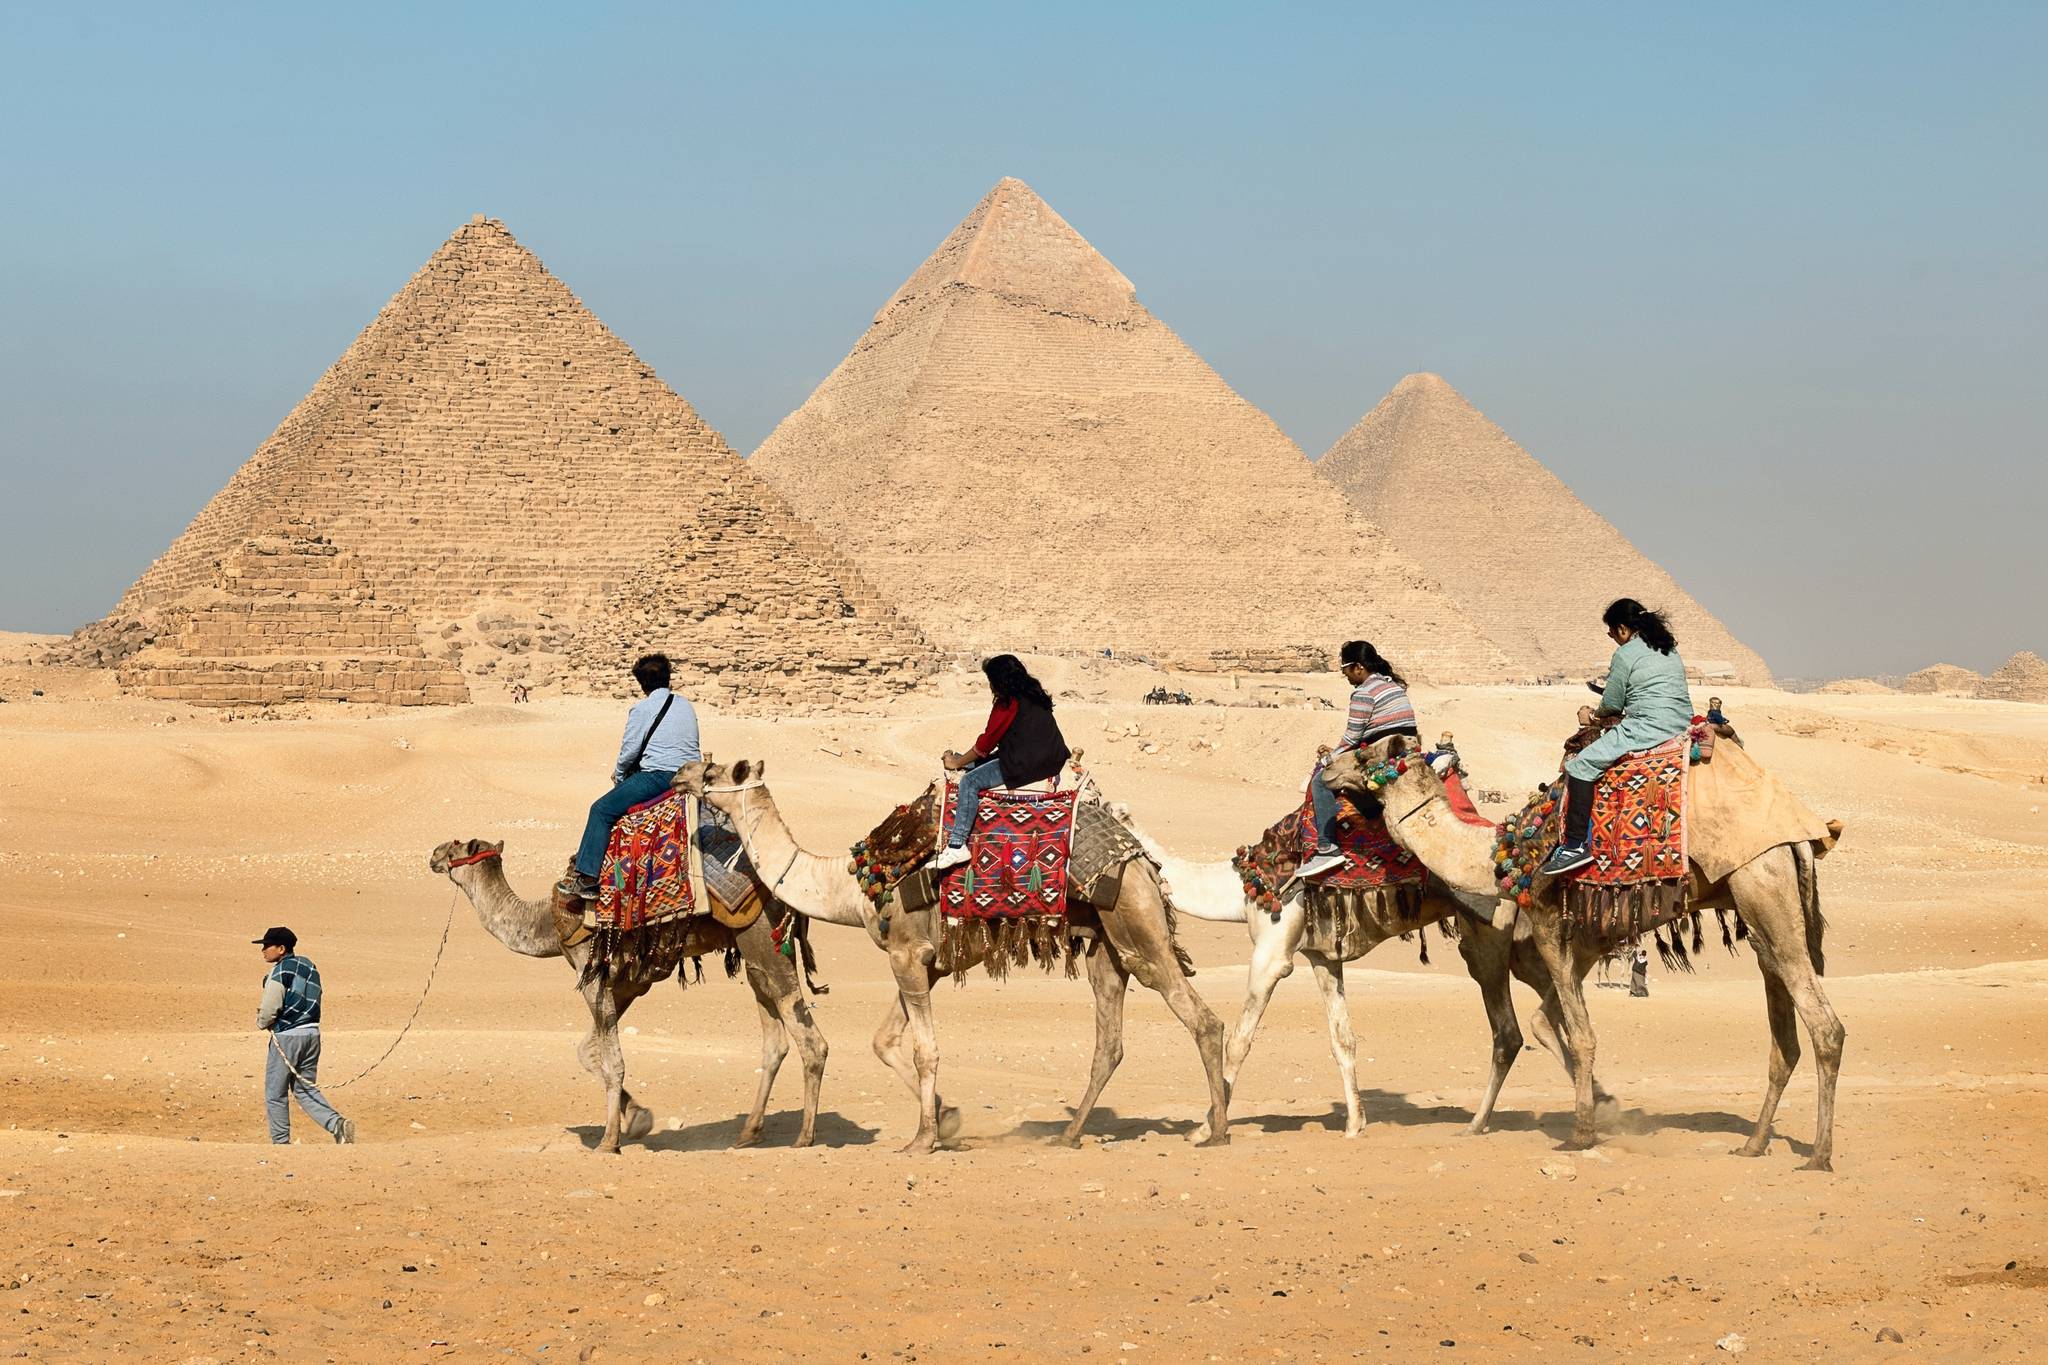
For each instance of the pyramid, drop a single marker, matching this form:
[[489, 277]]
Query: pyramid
[[290, 618], [1950, 680], [489, 452], [2023, 677], [1520, 553], [1023, 458]]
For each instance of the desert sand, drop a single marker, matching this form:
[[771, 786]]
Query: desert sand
[[143, 1215]]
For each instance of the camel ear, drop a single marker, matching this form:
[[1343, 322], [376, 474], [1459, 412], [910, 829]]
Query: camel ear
[[472, 846], [742, 770], [760, 770], [498, 847]]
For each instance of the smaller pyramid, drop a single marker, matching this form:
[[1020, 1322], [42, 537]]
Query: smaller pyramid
[[290, 617], [1512, 545], [2023, 677], [1946, 680], [750, 603]]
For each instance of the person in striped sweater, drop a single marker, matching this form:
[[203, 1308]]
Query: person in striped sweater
[[1379, 708]]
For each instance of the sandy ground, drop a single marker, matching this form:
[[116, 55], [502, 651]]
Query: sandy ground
[[142, 1216]]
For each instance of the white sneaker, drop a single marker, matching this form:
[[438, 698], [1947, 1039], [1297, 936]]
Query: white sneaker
[[1319, 866], [952, 856]]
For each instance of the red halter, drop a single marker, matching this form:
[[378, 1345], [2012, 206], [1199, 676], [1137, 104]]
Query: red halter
[[476, 857]]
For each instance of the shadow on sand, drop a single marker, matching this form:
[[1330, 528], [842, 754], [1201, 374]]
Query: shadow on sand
[[717, 1135]]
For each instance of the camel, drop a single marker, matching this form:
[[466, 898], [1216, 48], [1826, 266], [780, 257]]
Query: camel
[[1213, 892], [1777, 894], [1133, 938], [529, 928]]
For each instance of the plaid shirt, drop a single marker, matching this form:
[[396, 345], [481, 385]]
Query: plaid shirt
[[301, 982]]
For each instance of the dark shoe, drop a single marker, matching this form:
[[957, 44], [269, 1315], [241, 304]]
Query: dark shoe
[[576, 886], [1566, 858], [345, 1133]]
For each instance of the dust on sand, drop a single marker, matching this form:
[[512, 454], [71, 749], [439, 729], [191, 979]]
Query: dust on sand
[[142, 1215]]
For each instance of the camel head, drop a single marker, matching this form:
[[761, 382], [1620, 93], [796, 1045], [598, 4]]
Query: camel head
[[459, 851], [1389, 765], [727, 788]]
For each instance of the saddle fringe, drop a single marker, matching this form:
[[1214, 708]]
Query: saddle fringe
[[1003, 945]]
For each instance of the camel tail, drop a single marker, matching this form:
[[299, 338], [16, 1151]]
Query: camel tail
[[1809, 906]]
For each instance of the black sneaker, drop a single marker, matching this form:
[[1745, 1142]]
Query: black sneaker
[[1566, 858], [576, 886]]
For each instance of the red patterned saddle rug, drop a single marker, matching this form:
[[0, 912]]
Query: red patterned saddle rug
[[1018, 854], [1378, 877], [644, 918]]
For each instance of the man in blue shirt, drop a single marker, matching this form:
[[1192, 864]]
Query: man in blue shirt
[[661, 737], [290, 1015]]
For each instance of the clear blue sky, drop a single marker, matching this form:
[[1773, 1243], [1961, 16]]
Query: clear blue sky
[[1766, 284]]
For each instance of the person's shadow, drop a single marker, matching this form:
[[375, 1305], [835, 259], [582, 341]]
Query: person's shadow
[[716, 1135]]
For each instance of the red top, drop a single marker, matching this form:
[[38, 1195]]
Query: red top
[[999, 717]]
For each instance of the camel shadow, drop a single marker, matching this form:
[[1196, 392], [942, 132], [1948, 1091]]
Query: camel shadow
[[716, 1135]]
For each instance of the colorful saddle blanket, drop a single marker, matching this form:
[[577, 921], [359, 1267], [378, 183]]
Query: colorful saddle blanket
[[1372, 860], [645, 881], [1018, 854], [1637, 838]]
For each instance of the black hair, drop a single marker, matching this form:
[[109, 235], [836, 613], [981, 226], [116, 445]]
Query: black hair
[[1011, 681], [1656, 632], [651, 671], [1362, 653]]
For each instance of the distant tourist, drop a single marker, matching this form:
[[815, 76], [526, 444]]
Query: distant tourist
[[1379, 709], [1646, 688], [519, 693], [290, 1014], [661, 736], [1021, 743], [1639, 972]]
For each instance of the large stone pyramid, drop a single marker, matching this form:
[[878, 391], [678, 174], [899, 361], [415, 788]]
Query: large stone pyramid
[[489, 453], [1023, 458], [1521, 553]]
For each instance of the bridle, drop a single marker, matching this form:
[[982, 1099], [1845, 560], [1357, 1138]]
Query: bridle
[[757, 784], [476, 857]]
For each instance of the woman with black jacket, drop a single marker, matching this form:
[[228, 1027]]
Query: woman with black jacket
[[1020, 744]]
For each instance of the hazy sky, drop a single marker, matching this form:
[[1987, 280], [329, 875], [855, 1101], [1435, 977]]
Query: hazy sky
[[1765, 284]]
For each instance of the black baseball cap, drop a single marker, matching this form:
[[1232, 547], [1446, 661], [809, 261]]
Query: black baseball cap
[[279, 937]]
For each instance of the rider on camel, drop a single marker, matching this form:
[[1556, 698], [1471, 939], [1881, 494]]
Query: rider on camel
[[661, 736], [1020, 744], [1379, 709], [1646, 688]]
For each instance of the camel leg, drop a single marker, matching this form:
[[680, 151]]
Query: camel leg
[[774, 1047], [1137, 930], [1784, 1057], [1550, 938], [599, 1052], [1109, 980], [1546, 1025], [1272, 961], [892, 1046], [1329, 974], [1786, 930], [801, 1023], [1486, 952]]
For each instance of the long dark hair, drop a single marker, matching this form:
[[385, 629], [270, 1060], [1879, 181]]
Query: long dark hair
[[1362, 653], [1656, 632], [1011, 681]]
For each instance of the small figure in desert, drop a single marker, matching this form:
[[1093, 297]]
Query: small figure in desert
[[660, 739], [1020, 744]]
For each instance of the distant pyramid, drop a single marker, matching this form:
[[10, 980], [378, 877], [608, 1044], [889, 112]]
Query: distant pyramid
[[1023, 458], [486, 448], [1519, 552], [2023, 677]]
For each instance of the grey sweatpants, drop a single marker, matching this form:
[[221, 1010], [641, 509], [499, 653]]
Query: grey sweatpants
[[302, 1047]]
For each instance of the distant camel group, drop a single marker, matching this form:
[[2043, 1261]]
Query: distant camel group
[[1776, 895]]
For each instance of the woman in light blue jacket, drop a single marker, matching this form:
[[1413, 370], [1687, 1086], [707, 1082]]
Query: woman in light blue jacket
[[1646, 688]]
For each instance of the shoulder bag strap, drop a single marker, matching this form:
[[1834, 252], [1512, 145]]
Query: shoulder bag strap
[[648, 738]]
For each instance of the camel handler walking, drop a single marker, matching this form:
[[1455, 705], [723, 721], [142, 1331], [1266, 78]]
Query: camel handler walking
[[290, 1014], [661, 737]]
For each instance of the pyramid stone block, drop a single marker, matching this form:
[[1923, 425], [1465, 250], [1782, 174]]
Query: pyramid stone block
[[1516, 548], [1023, 458]]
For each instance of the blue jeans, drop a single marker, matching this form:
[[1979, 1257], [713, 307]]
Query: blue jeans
[[302, 1047], [1326, 813], [973, 783], [606, 810]]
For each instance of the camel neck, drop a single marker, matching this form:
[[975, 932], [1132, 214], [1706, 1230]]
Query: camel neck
[[526, 927], [812, 884], [1461, 855]]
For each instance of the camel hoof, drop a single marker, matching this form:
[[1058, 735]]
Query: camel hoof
[[1751, 1148], [1069, 1140], [1215, 1140], [1818, 1163], [608, 1148], [921, 1145], [1478, 1128], [804, 1140], [749, 1137], [639, 1124], [1578, 1143], [949, 1123]]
